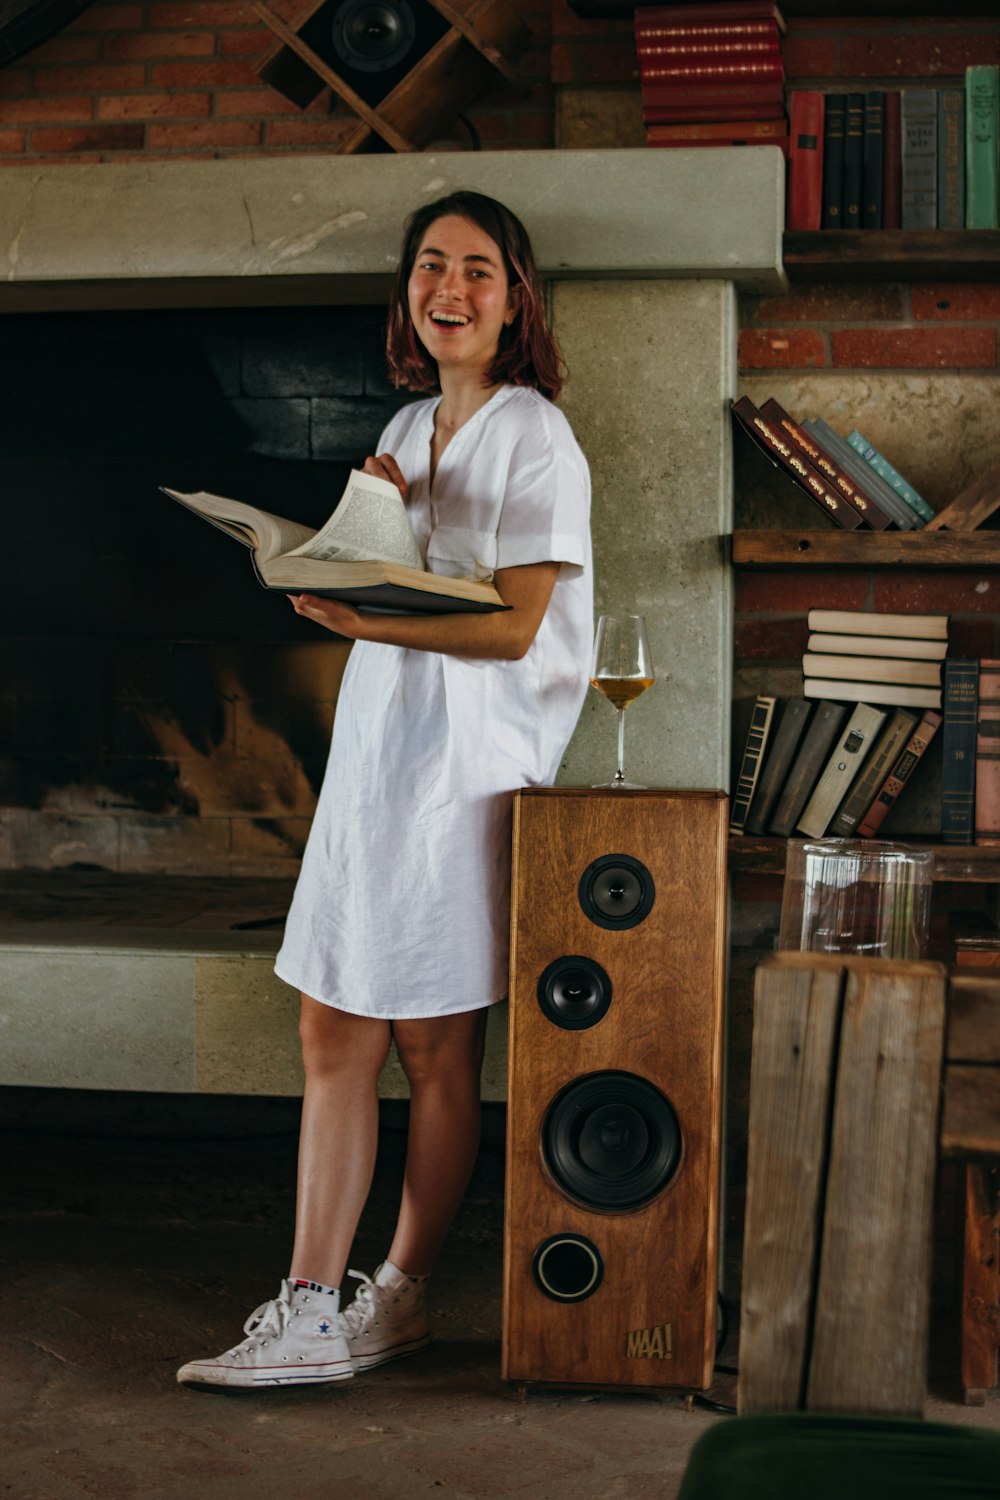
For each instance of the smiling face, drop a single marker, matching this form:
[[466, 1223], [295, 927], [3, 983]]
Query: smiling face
[[459, 297]]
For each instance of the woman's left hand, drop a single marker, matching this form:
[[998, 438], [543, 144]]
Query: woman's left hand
[[330, 613]]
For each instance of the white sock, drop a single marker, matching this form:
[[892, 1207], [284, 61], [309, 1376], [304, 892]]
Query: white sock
[[314, 1286]]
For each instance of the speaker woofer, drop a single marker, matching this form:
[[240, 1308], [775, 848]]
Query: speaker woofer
[[567, 1267], [373, 34], [611, 1141], [574, 993], [616, 891]]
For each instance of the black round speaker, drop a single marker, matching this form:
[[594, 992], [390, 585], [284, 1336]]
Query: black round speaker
[[574, 993], [616, 891], [567, 1267], [611, 1141], [373, 35]]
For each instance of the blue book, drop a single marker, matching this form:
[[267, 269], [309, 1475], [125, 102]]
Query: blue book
[[892, 476], [960, 705]]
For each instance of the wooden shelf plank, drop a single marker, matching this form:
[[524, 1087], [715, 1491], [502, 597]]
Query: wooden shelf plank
[[892, 255], [867, 549], [964, 863]]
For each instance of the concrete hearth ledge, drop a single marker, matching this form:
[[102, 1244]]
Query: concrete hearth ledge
[[328, 226]]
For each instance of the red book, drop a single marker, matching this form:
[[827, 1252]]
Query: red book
[[698, 53], [693, 114], [805, 160], [987, 804], [721, 133], [891, 159], [752, 70], [769, 437], [679, 96], [872, 513], [711, 12], [900, 774]]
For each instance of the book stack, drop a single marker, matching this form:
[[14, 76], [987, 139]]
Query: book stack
[[712, 73], [832, 762], [849, 479], [970, 773], [920, 158]]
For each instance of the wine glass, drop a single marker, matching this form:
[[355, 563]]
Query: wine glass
[[622, 670]]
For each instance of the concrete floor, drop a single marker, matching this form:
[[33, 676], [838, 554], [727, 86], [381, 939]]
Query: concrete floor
[[138, 1232]]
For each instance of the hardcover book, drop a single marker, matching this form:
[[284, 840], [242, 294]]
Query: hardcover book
[[809, 761], [782, 746], [709, 114], [834, 125], [872, 163], [772, 441], [918, 205], [805, 159], [710, 14], [850, 750], [958, 751], [891, 159], [987, 813], [760, 725], [879, 645], [854, 157], [982, 131], [862, 473], [656, 67], [876, 622], [886, 750], [720, 133], [892, 476], [900, 774], [871, 669], [669, 93], [871, 512], [902, 694], [951, 159]]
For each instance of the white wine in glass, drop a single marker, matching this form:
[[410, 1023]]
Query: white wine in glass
[[622, 670]]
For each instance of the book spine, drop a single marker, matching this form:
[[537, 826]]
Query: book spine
[[951, 159], [887, 749], [721, 132], [721, 74], [659, 88], [918, 205], [900, 774], [834, 125], [884, 468], [958, 747], [839, 773], [785, 741], [805, 160], [987, 810], [891, 160], [705, 53], [982, 129], [871, 190], [808, 763], [708, 114], [772, 439], [854, 157], [694, 143], [742, 13], [760, 726], [871, 512]]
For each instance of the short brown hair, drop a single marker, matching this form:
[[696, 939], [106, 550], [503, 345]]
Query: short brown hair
[[527, 353]]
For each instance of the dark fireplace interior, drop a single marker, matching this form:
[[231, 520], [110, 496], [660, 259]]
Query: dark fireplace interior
[[159, 711]]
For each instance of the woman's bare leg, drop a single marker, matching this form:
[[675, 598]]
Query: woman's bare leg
[[343, 1056], [442, 1057]]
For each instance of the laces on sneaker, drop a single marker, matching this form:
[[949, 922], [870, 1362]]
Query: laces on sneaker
[[363, 1306]]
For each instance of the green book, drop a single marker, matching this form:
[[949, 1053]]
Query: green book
[[982, 130]]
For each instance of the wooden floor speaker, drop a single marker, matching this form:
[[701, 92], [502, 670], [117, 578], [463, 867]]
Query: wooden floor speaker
[[617, 965]]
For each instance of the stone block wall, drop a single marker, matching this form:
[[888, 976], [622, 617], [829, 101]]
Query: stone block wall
[[158, 711]]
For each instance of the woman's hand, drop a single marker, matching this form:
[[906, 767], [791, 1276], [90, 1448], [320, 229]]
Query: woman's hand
[[386, 467], [330, 613]]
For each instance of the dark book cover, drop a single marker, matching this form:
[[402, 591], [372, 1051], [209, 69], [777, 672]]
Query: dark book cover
[[918, 201], [783, 744], [708, 13], [987, 813], [757, 735], [671, 94], [951, 159], [854, 161], [770, 439], [872, 513], [958, 745], [809, 762], [666, 114], [805, 160], [873, 156], [900, 774], [834, 125], [891, 159], [886, 750]]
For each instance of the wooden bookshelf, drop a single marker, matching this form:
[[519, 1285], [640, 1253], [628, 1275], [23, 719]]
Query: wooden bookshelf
[[865, 549], [892, 255], [964, 863]]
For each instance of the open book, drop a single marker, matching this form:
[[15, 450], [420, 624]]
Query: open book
[[365, 554]]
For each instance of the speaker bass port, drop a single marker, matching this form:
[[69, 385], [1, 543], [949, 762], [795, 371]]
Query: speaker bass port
[[574, 993], [616, 891], [567, 1267], [611, 1141]]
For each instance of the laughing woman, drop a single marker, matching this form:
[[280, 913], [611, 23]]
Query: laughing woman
[[397, 934]]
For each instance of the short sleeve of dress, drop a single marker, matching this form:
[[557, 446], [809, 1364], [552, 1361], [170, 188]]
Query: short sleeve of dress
[[546, 508]]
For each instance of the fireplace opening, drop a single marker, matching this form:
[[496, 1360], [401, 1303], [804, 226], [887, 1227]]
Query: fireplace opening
[[159, 711]]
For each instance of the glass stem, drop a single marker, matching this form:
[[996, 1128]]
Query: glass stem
[[620, 773]]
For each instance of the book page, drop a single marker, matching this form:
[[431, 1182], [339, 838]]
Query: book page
[[369, 523], [269, 535]]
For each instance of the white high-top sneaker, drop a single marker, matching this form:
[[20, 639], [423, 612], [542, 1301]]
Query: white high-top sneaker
[[388, 1317], [298, 1339]]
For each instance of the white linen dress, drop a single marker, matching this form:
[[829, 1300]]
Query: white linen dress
[[402, 905]]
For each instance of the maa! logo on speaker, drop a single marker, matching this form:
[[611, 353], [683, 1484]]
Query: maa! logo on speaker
[[650, 1343]]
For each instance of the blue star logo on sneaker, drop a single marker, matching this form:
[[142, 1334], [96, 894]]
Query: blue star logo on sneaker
[[324, 1328]]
